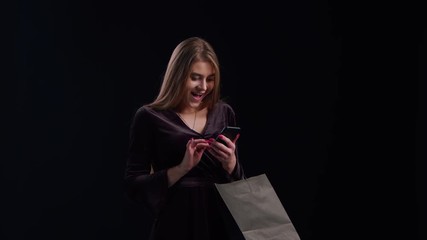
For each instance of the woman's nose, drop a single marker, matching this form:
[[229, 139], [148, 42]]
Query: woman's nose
[[202, 84]]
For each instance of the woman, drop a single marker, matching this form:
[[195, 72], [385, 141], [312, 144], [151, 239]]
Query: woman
[[174, 159]]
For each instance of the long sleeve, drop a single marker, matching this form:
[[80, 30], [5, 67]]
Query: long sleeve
[[141, 186], [238, 172]]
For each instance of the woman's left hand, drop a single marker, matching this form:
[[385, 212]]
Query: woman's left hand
[[225, 153]]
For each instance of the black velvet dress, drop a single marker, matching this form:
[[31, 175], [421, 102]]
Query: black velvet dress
[[190, 209]]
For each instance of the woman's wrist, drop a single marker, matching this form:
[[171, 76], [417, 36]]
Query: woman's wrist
[[175, 173], [229, 167], [181, 170]]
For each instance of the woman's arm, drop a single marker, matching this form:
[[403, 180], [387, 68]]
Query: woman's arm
[[141, 185]]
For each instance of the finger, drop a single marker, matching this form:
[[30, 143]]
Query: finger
[[201, 146], [189, 142], [218, 156], [201, 140], [218, 153], [224, 147], [201, 149], [197, 141], [213, 153], [225, 139], [236, 138]]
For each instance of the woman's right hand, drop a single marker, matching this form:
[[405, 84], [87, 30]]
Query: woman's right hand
[[193, 153]]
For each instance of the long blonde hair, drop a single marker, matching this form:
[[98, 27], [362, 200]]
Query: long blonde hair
[[186, 53]]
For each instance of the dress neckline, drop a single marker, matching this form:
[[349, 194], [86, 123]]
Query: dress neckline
[[188, 127]]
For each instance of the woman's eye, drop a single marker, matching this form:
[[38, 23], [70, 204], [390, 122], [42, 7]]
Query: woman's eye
[[195, 77], [198, 77]]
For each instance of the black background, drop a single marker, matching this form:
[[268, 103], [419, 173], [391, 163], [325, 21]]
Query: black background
[[330, 98]]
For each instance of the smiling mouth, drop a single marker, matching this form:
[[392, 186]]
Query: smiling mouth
[[196, 95]]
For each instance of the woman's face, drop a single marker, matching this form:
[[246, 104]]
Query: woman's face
[[200, 83]]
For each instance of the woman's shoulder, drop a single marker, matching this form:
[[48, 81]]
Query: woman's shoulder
[[150, 113], [148, 109], [225, 109], [224, 106], [145, 111]]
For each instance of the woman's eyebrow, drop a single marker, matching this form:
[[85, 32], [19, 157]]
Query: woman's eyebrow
[[200, 75]]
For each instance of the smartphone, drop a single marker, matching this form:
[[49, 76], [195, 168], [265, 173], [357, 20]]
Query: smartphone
[[230, 132]]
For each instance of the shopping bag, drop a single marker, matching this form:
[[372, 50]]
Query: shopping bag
[[257, 210]]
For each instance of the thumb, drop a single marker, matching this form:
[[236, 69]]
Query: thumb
[[237, 137]]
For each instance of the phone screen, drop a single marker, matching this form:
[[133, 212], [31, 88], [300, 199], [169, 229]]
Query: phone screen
[[230, 132]]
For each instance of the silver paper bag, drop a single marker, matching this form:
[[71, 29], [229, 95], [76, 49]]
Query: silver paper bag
[[257, 210]]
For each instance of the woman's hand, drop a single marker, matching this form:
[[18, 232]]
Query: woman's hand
[[226, 154], [193, 153]]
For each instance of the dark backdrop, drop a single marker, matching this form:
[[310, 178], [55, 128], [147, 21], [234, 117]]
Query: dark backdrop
[[330, 97]]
